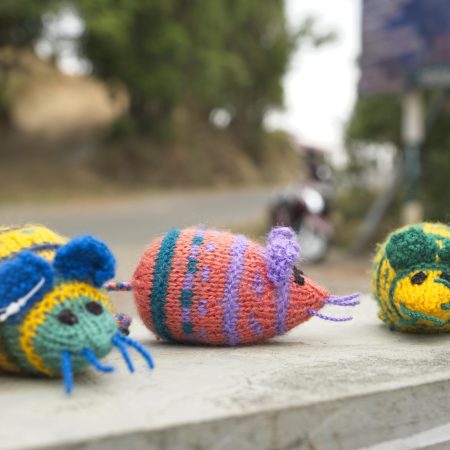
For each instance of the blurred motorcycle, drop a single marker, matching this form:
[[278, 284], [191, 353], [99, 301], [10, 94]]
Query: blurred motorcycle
[[305, 208]]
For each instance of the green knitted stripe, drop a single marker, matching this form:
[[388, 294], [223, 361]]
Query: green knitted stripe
[[161, 275], [187, 293], [416, 315]]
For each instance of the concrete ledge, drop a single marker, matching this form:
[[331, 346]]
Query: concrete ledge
[[323, 386]]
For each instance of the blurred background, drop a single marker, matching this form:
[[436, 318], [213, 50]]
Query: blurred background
[[123, 118]]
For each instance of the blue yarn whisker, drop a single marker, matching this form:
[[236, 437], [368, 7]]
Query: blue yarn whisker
[[92, 359], [138, 347], [67, 372], [123, 350]]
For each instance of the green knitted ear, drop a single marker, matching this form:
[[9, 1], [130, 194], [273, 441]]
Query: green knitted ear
[[444, 252], [410, 247]]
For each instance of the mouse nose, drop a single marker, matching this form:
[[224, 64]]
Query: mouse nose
[[67, 317]]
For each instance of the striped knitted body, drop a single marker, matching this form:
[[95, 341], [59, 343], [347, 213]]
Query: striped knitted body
[[209, 287], [54, 319], [411, 279]]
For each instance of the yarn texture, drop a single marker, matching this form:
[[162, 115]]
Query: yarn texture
[[210, 287], [53, 318], [411, 279]]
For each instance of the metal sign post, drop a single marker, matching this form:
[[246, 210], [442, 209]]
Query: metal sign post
[[413, 130]]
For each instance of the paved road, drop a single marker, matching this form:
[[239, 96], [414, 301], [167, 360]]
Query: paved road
[[129, 224]]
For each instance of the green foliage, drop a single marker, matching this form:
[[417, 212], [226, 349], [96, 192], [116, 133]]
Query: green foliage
[[178, 58], [200, 54], [20, 21], [377, 119], [436, 169]]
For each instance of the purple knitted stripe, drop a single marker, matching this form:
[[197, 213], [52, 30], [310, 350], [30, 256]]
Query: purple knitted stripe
[[282, 306], [210, 246], [206, 273], [259, 286], [254, 325], [188, 281], [231, 293], [186, 314], [193, 253], [202, 310]]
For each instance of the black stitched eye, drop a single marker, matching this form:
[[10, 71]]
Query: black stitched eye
[[445, 276], [94, 308], [67, 317], [418, 278], [298, 276]]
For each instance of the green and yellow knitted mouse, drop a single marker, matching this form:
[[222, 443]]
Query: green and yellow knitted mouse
[[411, 279]]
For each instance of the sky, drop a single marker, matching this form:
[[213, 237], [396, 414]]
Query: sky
[[320, 86]]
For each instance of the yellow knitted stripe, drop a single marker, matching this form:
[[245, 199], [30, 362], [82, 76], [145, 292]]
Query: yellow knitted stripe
[[437, 228], [387, 274], [38, 313], [29, 236]]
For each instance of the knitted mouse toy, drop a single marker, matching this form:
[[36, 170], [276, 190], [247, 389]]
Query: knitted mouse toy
[[54, 318], [411, 278], [210, 287]]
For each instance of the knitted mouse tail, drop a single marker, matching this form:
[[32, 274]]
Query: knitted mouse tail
[[118, 286]]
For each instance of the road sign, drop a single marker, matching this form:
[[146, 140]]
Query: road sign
[[404, 41]]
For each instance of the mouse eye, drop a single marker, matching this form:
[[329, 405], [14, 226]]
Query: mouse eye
[[445, 276], [298, 276], [94, 308], [418, 278]]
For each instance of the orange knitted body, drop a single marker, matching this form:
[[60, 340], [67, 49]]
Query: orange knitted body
[[209, 287]]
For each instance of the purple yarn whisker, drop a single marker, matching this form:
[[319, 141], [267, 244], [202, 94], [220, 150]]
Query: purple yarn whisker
[[339, 303], [332, 319], [344, 298]]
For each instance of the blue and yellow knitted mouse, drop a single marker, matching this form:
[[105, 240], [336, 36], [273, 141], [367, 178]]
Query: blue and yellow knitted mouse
[[54, 318]]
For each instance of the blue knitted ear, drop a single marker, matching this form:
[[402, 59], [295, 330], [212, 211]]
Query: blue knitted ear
[[85, 258], [24, 279]]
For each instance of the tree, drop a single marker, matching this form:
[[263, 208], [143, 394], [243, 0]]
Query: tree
[[21, 21], [201, 54]]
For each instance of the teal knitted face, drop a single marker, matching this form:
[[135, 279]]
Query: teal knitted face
[[75, 325], [73, 318], [55, 318]]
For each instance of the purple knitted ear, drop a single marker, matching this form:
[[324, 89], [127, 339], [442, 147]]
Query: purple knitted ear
[[281, 254]]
